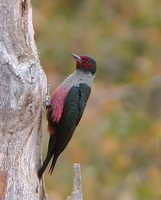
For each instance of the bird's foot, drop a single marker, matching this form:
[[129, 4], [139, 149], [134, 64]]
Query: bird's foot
[[46, 102]]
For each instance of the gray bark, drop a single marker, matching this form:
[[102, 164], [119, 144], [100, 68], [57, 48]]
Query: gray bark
[[22, 90], [77, 184]]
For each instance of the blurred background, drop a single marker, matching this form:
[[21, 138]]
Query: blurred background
[[118, 141]]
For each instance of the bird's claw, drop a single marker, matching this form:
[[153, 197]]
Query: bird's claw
[[46, 102]]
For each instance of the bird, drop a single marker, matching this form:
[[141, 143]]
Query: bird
[[66, 108]]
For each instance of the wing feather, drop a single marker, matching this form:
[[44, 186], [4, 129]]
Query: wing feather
[[74, 106]]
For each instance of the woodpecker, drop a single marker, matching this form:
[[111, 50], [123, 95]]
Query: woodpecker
[[66, 107]]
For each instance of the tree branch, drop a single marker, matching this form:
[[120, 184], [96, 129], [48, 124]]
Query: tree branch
[[77, 184]]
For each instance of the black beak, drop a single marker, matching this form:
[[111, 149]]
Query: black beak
[[76, 57]]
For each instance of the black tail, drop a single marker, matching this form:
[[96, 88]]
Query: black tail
[[50, 153], [45, 164], [53, 164]]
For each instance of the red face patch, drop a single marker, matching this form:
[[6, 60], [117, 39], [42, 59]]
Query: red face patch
[[85, 64]]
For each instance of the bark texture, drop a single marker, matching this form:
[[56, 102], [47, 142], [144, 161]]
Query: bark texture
[[22, 90]]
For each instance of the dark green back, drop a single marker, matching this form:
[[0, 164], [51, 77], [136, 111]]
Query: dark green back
[[74, 106]]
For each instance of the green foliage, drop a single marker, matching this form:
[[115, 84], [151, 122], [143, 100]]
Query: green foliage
[[118, 141]]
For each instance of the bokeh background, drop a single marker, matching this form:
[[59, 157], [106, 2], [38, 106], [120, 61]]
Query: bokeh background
[[118, 141]]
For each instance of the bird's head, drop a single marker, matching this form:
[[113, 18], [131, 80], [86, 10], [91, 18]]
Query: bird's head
[[85, 63]]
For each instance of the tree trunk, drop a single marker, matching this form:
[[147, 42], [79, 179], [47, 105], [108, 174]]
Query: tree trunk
[[22, 90]]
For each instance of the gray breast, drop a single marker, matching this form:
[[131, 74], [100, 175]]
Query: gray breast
[[76, 78]]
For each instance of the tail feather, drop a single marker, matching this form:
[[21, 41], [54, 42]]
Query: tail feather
[[50, 153], [42, 169], [53, 164]]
